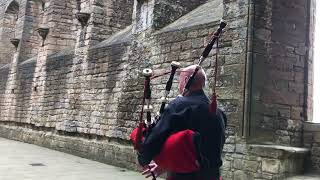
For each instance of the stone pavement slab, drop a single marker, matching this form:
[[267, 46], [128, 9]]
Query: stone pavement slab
[[21, 161], [305, 177]]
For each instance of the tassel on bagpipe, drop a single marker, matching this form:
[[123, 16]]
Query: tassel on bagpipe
[[181, 144]]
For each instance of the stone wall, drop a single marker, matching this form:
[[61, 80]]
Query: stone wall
[[107, 18], [59, 17], [280, 71], [29, 37], [172, 11], [85, 99], [4, 71], [98, 96], [312, 141], [9, 12], [246, 162]]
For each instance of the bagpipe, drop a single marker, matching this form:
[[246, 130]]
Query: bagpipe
[[180, 145]]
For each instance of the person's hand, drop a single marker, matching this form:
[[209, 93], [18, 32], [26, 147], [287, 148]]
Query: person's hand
[[152, 168]]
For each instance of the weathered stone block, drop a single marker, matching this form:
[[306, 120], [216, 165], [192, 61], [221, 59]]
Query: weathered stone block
[[240, 175], [241, 148], [311, 127], [238, 163], [316, 137], [226, 165], [229, 148], [251, 165], [270, 166]]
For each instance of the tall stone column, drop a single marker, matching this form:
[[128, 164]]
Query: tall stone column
[[96, 21], [60, 18], [10, 99], [37, 115], [76, 82], [36, 112]]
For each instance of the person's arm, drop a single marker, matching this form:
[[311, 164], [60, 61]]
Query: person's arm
[[153, 168], [169, 123]]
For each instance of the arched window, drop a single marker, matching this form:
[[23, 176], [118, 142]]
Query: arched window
[[8, 29]]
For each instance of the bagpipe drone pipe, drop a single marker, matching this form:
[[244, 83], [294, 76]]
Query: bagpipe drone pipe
[[180, 145]]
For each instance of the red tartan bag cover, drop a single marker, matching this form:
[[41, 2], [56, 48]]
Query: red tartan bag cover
[[178, 153]]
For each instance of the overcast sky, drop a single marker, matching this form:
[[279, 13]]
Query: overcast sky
[[316, 95]]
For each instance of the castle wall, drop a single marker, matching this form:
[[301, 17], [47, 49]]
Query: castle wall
[[83, 96], [280, 65], [99, 96], [312, 140], [29, 37], [9, 19], [107, 17], [4, 72], [59, 17]]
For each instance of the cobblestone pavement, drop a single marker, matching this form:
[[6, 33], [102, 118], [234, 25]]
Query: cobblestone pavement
[[16, 159]]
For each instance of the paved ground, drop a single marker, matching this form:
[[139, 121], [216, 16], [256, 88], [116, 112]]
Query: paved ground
[[306, 177], [16, 159], [21, 161]]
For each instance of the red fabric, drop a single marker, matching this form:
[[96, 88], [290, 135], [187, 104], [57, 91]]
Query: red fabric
[[134, 135], [213, 105], [178, 153]]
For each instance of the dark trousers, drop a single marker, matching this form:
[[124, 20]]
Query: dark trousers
[[192, 176]]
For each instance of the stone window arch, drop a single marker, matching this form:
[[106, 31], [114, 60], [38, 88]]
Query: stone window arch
[[8, 31], [10, 18], [13, 7]]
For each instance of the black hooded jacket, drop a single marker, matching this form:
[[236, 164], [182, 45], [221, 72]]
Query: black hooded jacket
[[188, 112]]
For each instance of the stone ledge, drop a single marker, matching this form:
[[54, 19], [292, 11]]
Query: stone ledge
[[280, 159], [276, 151], [312, 176], [311, 127], [123, 36]]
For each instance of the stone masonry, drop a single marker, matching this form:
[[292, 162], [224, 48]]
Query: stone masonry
[[74, 81], [312, 141]]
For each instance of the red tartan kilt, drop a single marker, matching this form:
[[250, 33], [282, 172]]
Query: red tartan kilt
[[178, 154]]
